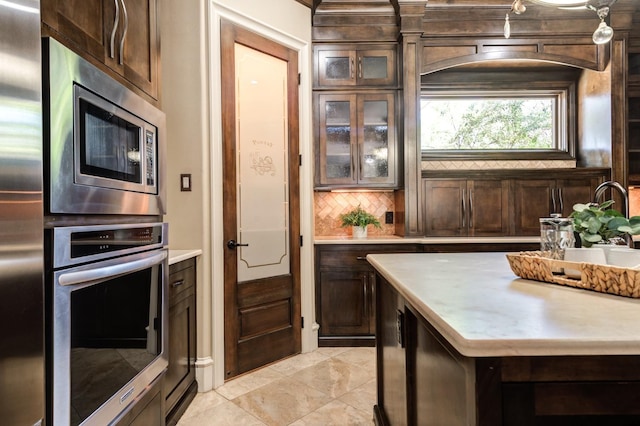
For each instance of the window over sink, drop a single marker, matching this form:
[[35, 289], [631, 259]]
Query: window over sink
[[497, 115]]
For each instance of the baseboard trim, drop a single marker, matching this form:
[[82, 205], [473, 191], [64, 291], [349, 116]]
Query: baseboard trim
[[204, 374]]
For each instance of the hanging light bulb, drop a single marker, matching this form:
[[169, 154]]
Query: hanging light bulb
[[604, 33], [507, 27], [518, 7]]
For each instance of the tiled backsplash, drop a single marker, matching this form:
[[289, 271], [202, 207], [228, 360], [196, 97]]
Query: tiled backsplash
[[634, 201], [495, 164], [328, 207]]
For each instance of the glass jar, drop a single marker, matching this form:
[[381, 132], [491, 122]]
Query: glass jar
[[556, 234]]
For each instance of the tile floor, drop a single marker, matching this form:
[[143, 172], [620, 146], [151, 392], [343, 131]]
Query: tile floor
[[329, 386]]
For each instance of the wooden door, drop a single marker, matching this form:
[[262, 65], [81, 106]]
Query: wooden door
[[345, 303], [336, 67], [376, 67], [488, 208], [573, 191], [136, 50], [445, 207], [80, 21], [532, 200], [261, 201]]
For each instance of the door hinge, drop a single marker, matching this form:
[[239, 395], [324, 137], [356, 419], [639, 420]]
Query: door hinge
[[301, 243], [302, 322], [300, 160], [299, 78]]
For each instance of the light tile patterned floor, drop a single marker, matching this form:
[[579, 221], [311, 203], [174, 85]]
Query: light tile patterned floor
[[330, 386]]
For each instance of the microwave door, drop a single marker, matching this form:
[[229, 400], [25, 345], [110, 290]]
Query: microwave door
[[109, 141]]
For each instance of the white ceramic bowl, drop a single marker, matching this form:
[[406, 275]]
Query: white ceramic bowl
[[624, 257]]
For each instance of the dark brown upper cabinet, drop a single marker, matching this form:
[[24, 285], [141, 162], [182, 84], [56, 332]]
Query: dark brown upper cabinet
[[119, 36], [354, 65], [356, 140]]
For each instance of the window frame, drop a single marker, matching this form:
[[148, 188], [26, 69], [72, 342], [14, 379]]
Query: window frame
[[508, 84]]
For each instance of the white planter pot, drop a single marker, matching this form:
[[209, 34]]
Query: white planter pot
[[359, 232], [584, 254]]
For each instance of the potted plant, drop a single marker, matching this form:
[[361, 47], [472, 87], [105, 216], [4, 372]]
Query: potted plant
[[358, 219], [599, 224]]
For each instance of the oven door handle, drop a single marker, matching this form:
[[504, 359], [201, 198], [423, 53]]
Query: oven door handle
[[107, 272]]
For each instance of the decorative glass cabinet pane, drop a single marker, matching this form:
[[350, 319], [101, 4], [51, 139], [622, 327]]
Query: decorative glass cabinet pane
[[374, 158], [338, 140], [338, 68], [374, 67]]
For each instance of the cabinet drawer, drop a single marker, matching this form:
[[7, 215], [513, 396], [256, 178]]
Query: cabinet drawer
[[182, 279], [355, 257]]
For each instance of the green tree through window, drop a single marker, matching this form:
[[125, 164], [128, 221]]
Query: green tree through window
[[456, 123]]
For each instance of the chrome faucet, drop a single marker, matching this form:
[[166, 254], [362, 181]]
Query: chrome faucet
[[625, 195]]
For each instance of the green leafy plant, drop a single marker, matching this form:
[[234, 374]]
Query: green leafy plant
[[596, 223], [359, 217]]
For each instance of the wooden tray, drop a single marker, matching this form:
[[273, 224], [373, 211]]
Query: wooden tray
[[616, 280]]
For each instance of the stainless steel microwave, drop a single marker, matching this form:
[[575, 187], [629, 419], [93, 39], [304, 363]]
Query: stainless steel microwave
[[104, 144]]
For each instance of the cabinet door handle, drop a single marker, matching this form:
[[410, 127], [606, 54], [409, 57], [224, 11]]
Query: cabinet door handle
[[360, 67], [351, 62], [116, 20], [464, 208], [561, 201], [365, 289], [353, 164], [177, 283], [124, 31], [471, 208], [553, 200]]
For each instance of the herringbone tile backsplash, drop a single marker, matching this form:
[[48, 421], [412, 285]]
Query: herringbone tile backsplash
[[329, 206]]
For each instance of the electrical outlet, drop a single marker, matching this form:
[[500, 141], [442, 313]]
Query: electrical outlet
[[388, 217]]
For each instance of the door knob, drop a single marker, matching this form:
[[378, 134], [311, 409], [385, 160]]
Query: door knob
[[232, 244]]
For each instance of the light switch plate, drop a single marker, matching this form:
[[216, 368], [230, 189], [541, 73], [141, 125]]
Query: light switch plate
[[185, 182]]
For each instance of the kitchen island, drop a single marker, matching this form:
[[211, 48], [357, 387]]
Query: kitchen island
[[462, 341]]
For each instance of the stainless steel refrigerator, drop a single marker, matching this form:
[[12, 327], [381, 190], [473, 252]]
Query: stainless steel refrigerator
[[22, 371]]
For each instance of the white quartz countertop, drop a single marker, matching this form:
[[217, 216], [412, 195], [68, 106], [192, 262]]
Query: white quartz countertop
[[176, 256], [392, 239], [476, 302]]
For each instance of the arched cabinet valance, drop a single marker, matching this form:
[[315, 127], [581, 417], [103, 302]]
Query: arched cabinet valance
[[446, 53]]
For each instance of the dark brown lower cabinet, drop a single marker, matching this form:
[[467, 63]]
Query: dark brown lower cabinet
[[391, 380], [423, 380], [179, 384], [345, 300]]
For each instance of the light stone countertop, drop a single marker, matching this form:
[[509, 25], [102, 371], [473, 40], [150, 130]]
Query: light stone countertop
[[483, 309], [176, 256], [393, 239]]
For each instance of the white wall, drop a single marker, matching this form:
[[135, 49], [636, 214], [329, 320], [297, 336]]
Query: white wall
[[190, 89]]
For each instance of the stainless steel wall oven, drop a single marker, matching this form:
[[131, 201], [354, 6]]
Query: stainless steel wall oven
[[105, 150], [107, 333]]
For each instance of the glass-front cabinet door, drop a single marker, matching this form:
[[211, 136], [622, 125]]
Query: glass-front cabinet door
[[338, 139], [357, 145], [373, 66], [376, 141]]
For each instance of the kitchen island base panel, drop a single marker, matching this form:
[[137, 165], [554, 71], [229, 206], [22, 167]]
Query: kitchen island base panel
[[441, 386]]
